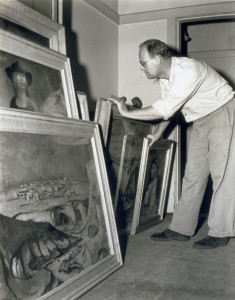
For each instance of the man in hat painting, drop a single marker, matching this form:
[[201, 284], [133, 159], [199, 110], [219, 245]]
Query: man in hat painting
[[21, 80]]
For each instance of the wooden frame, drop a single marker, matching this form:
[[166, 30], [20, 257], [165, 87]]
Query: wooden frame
[[82, 99], [57, 11], [58, 234], [26, 18], [50, 74], [102, 116], [153, 184]]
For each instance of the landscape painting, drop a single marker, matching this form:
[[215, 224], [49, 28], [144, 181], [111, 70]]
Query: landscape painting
[[56, 222]]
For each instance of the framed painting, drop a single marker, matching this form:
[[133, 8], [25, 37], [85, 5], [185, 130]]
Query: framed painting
[[17, 18], [153, 184], [103, 112], [119, 128], [126, 186], [35, 78], [58, 235]]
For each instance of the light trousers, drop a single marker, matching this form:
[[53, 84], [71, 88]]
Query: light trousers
[[211, 152]]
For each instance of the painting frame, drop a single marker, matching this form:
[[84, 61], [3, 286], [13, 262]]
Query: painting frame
[[160, 151], [82, 133], [125, 193], [83, 105], [13, 45], [26, 17], [122, 133], [103, 112]]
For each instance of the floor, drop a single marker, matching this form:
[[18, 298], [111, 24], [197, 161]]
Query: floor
[[170, 270]]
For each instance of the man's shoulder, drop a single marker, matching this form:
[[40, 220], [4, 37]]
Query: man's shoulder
[[183, 60], [185, 63]]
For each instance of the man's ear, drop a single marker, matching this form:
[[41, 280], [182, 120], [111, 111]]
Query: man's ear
[[158, 59]]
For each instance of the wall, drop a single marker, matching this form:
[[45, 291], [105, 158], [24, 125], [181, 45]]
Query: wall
[[130, 80], [92, 46], [137, 6]]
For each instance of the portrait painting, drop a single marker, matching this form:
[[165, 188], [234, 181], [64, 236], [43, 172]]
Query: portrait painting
[[57, 227], [153, 184], [35, 78]]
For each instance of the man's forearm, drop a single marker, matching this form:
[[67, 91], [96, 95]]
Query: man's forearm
[[145, 114], [161, 126]]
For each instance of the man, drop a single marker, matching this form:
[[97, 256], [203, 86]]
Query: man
[[207, 100]]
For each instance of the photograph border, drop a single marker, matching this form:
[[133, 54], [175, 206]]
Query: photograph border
[[33, 124], [164, 144], [13, 44], [20, 14]]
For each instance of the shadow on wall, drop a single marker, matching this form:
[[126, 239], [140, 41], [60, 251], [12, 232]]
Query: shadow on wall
[[79, 72]]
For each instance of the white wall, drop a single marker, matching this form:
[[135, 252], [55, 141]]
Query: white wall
[[92, 45], [130, 80], [137, 6]]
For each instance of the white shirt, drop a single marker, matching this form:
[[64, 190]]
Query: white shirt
[[194, 87]]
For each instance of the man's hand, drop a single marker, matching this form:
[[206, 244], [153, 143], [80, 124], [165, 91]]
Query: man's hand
[[122, 107], [158, 132]]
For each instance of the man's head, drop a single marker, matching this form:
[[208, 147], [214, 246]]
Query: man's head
[[156, 48], [153, 55]]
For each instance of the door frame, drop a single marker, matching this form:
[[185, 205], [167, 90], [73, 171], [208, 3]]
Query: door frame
[[179, 22]]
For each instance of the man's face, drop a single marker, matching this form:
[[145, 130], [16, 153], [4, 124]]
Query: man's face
[[149, 65]]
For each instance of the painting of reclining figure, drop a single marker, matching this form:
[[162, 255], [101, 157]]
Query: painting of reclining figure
[[53, 217]]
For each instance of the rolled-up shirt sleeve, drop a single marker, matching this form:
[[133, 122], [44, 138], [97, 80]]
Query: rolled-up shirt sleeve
[[159, 106], [182, 86]]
